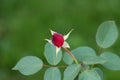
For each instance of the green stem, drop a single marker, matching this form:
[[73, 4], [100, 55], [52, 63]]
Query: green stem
[[45, 65], [99, 51], [71, 55]]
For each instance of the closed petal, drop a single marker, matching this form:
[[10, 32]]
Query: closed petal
[[57, 50], [65, 45], [67, 35], [52, 32]]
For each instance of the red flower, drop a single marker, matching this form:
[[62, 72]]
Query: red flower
[[58, 40]]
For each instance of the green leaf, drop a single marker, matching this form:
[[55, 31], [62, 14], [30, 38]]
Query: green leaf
[[81, 52], [89, 75], [50, 54], [100, 72], [52, 73], [67, 59], [107, 34], [71, 72], [113, 61], [93, 60], [29, 65]]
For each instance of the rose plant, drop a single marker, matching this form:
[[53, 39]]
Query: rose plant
[[79, 62]]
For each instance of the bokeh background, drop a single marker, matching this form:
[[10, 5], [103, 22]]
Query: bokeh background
[[24, 24]]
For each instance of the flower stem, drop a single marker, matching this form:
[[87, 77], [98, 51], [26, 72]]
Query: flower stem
[[71, 55]]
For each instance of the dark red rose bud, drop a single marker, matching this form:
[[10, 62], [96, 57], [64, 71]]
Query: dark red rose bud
[[57, 39]]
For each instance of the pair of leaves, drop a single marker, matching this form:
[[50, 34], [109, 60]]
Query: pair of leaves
[[106, 36], [84, 54], [69, 74], [73, 70], [52, 73], [30, 64]]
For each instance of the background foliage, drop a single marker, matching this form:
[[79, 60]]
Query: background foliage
[[24, 24]]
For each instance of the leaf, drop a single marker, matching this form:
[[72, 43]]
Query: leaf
[[100, 72], [113, 61], [67, 59], [71, 72], [93, 60], [107, 34], [50, 54], [89, 75], [81, 52], [29, 65], [52, 73]]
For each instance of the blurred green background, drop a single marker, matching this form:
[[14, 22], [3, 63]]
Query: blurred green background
[[24, 24]]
